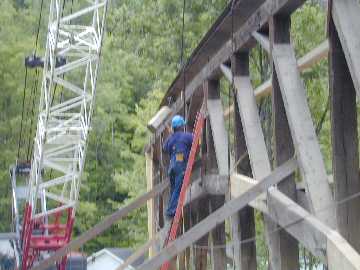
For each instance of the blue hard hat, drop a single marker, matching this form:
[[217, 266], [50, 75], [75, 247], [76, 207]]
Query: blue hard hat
[[177, 121]]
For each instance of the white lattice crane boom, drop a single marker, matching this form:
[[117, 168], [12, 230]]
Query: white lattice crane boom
[[64, 120], [63, 125]]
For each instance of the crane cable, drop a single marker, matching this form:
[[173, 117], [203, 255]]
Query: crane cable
[[25, 79], [183, 67], [182, 56], [231, 88], [22, 113], [33, 94]]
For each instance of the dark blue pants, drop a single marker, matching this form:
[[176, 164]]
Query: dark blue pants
[[176, 175]]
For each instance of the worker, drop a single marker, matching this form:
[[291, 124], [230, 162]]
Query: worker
[[178, 147]]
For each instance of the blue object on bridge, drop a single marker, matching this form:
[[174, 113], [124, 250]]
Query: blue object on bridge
[[177, 121]]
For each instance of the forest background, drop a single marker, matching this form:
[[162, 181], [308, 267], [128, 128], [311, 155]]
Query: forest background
[[141, 57]]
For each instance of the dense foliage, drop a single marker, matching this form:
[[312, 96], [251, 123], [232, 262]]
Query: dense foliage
[[141, 57]]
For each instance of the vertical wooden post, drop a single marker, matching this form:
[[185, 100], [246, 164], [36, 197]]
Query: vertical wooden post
[[187, 225], [151, 202], [260, 163], [344, 135], [283, 144], [200, 254], [216, 201], [243, 223], [200, 210]]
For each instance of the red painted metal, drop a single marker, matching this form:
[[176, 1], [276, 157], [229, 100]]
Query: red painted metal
[[39, 237], [194, 147]]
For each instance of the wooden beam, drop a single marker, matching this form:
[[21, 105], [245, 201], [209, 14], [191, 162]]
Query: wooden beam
[[243, 222], [250, 119], [283, 145], [218, 235], [215, 184], [151, 202], [210, 222], [307, 61], [240, 184], [344, 137], [312, 167], [254, 137], [263, 40], [159, 118], [345, 14], [200, 255], [217, 124], [313, 57], [101, 227], [216, 163]]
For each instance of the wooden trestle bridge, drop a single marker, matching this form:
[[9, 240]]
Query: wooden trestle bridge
[[228, 184]]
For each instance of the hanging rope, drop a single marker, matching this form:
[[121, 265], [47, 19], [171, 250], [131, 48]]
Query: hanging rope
[[26, 75], [231, 89], [34, 92], [22, 113], [38, 27], [182, 65]]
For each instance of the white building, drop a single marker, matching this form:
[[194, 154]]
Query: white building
[[111, 259]]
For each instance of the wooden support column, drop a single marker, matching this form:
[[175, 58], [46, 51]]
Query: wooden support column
[[283, 144], [344, 135], [243, 223], [311, 163], [345, 16], [200, 210], [188, 221], [151, 202], [255, 142], [216, 163], [200, 254]]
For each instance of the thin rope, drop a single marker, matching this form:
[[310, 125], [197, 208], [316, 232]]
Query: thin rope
[[26, 73], [34, 91], [182, 56], [22, 113], [38, 27], [231, 88]]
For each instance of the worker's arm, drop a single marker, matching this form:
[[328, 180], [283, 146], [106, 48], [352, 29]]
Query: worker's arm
[[189, 138]]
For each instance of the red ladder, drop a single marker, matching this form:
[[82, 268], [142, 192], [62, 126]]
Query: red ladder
[[200, 119]]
